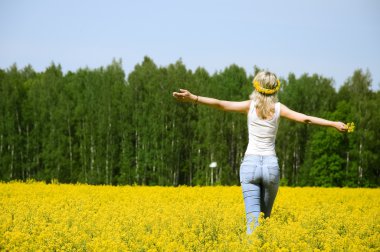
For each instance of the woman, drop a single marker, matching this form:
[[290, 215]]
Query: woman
[[259, 171]]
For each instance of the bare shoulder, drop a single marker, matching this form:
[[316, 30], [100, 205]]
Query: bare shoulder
[[283, 108], [236, 106], [291, 114], [285, 111], [246, 104]]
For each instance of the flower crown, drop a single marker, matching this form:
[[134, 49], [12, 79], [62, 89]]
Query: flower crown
[[267, 91]]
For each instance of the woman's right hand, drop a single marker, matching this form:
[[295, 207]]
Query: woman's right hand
[[340, 126], [184, 96]]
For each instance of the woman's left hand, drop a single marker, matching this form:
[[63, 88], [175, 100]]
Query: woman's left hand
[[184, 96]]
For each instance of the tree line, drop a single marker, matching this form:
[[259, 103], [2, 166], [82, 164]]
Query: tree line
[[99, 126]]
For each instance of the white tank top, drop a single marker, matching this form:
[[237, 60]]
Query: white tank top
[[262, 133]]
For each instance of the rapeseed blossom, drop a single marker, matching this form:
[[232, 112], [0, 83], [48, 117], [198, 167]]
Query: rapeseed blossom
[[350, 127], [60, 217]]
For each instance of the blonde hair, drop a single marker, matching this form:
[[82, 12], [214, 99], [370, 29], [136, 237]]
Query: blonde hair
[[264, 103]]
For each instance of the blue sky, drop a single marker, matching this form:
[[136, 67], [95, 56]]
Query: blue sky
[[328, 37]]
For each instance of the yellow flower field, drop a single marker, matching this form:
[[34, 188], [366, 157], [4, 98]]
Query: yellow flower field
[[56, 217]]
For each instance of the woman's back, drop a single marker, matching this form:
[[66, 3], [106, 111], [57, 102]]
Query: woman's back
[[262, 133]]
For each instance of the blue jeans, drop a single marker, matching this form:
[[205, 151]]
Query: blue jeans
[[259, 178]]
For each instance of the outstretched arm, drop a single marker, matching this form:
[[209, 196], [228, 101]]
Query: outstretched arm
[[298, 117], [185, 96]]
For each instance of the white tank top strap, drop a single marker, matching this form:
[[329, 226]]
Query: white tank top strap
[[252, 106], [277, 108]]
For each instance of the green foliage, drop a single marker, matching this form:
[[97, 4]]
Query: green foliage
[[323, 164], [99, 126]]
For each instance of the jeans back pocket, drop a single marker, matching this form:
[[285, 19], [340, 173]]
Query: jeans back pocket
[[247, 173]]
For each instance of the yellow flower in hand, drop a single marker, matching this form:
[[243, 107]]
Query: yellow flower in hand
[[350, 127]]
